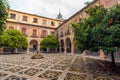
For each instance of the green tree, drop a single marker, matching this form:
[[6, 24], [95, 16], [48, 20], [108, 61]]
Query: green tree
[[80, 35], [107, 34], [102, 30], [13, 39], [83, 29], [49, 42], [4, 8]]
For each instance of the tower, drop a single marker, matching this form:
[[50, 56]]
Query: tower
[[59, 16]]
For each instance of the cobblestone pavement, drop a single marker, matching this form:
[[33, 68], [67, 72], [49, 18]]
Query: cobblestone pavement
[[55, 67]]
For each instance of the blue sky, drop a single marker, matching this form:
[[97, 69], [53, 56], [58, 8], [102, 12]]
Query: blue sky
[[48, 8]]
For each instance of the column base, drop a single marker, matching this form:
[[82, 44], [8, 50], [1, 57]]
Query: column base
[[28, 51], [65, 52], [72, 53]]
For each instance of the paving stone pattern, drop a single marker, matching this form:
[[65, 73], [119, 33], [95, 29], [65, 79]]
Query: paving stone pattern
[[55, 67]]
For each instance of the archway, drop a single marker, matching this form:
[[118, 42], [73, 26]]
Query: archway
[[68, 45], [33, 45], [62, 45]]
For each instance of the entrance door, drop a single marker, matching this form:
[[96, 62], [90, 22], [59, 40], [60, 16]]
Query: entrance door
[[34, 47], [68, 45]]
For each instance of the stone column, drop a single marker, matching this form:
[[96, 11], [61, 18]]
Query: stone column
[[56, 50], [16, 51], [28, 47], [38, 48], [1, 50], [102, 54], [60, 49], [72, 47], [47, 49], [65, 48]]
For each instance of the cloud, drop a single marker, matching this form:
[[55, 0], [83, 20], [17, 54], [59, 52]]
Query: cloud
[[48, 8]]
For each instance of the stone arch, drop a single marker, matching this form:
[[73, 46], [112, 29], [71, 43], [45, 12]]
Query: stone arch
[[33, 45], [62, 45], [68, 45]]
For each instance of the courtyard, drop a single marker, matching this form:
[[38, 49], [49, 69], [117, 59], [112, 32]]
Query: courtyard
[[57, 66]]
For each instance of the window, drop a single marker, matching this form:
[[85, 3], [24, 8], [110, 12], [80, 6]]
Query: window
[[35, 20], [24, 31], [52, 33], [61, 34], [44, 22], [11, 27], [57, 34], [34, 32], [24, 18], [44, 34], [52, 23], [67, 32], [12, 16]]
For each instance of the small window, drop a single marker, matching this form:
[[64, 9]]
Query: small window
[[34, 32], [44, 22], [24, 18], [52, 23], [35, 20], [12, 16], [11, 27], [44, 33], [24, 31], [61, 34], [52, 33]]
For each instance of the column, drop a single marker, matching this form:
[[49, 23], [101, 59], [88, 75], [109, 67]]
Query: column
[[65, 48], [28, 47], [16, 50], [2, 50], [47, 49], [60, 50], [102, 54], [38, 46], [56, 50], [72, 47]]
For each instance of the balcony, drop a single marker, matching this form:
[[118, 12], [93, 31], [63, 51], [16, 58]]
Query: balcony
[[42, 36], [34, 36], [25, 34]]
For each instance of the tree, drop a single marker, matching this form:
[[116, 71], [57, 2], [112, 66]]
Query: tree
[[4, 8], [13, 39], [103, 30], [80, 36], [83, 29], [49, 42], [107, 34]]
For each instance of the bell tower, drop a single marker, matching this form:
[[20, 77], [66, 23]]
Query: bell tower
[[60, 16]]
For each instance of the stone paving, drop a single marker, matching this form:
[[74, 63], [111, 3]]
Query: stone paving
[[55, 67]]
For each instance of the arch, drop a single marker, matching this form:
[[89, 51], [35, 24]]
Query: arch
[[33, 45], [68, 45], [62, 45]]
